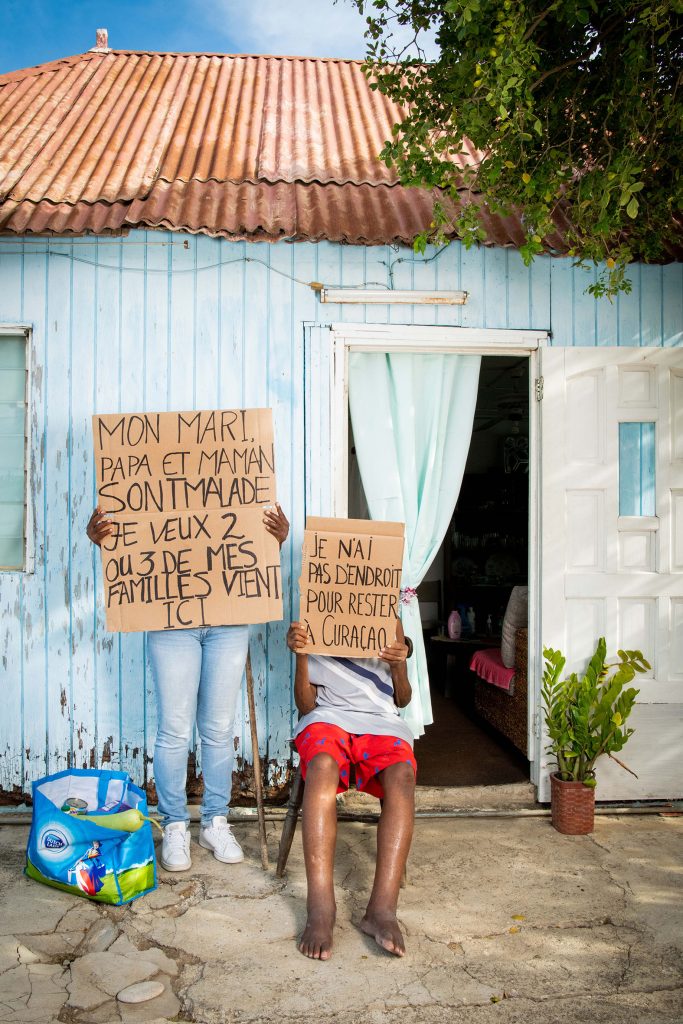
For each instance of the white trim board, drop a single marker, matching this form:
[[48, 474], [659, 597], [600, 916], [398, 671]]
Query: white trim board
[[423, 339], [408, 337]]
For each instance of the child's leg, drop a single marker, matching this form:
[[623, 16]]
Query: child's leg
[[319, 828], [394, 835]]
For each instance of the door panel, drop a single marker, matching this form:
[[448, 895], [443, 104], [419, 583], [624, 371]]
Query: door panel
[[607, 573]]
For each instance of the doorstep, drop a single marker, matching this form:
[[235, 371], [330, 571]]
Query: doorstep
[[449, 799]]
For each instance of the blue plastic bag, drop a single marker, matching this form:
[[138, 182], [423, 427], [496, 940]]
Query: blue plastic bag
[[79, 856]]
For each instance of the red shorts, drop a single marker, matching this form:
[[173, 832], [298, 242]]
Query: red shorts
[[370, 754]]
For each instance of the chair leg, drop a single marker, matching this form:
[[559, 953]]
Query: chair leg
[[296, 796]]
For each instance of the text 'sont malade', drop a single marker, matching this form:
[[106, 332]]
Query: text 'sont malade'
[[350, 583], [186, 492]]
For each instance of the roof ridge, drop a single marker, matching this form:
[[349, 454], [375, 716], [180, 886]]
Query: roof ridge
[[8, 77], [252, 56], [48, 67]]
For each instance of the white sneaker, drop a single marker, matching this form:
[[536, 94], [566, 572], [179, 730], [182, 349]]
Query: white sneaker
[[218, 837], [175, 847]]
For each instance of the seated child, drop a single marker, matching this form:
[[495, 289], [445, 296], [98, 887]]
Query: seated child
[[349, 709]]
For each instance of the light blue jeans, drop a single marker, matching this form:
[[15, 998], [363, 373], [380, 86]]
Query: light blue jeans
[[198, 677]]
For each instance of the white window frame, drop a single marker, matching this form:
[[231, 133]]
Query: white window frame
[[356, 337], [10, 329]]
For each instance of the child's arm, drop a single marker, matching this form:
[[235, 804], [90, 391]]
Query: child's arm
[[304, 690], [395, 655]]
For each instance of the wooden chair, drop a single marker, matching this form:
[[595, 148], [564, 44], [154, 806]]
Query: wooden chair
[[296, 798]]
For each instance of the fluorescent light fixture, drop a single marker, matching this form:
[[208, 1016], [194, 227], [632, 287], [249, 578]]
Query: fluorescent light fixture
[[392, 296]]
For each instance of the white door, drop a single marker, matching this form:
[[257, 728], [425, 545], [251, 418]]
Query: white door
[[612, 540]]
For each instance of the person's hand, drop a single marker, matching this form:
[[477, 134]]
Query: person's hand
[[99, 527], [276, 523], [297, 638], [394, 653]]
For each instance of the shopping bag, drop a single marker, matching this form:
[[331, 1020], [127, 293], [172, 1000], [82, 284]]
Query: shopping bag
[[71, 852]]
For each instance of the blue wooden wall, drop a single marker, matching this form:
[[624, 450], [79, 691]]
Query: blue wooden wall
[[133, 323]]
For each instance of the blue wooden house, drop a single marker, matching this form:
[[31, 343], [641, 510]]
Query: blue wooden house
[[199, 231]]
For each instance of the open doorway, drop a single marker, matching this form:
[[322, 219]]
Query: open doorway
[[479, 735], [479, 732]]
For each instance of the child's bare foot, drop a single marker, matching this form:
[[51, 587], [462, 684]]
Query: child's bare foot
[[316, 941], [383, 927]]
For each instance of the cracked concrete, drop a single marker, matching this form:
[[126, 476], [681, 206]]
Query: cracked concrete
[[505, 921]]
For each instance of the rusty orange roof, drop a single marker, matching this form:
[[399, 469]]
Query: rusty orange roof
[[252, 147]]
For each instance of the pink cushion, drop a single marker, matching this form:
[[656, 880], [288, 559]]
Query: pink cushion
[[488, 665]]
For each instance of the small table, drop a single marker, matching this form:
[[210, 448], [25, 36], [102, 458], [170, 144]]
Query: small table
[[458, 653]]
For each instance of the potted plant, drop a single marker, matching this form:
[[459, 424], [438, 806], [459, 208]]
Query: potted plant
[[585, 718]]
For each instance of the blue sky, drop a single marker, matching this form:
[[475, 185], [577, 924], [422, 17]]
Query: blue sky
[[35, 31]]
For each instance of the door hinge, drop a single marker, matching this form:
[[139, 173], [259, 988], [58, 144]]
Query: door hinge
[[538, 384]]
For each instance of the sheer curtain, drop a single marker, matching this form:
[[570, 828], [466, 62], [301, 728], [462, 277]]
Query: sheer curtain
[[412, 418]]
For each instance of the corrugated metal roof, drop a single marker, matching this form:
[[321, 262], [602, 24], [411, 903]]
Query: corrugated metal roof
[[252, 147], [239, 146]]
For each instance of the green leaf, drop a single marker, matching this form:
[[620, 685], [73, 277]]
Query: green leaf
[[632, 209]]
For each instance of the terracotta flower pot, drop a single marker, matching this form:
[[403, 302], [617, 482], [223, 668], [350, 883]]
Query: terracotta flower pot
[[572, 806]]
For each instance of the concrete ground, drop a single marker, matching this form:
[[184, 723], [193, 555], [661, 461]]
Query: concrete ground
[[506, 921]]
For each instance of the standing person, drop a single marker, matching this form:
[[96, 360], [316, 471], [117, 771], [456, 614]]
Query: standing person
[[197, 677], [349, 709]]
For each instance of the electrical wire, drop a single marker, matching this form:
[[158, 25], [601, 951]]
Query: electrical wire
[[316, 285]]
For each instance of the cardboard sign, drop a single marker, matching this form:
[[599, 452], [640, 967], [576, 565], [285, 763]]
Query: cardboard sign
[[350, 581], [186, 492]]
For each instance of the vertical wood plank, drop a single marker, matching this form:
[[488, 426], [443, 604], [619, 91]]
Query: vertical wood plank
[[607, 325], [424, 279], [207, 311], [304, 310], [353, 276], [401, 267], [672, 304], [330, 274], [473, 284], [562, 302], [34, 703], [82, 488], [518, 291], [650, 305], [256, 369], [584, 307], [284, 378], [447, 264], [495, 286], [155, 374], [539, 293], [231, 292], [108, 399], [181, 362], [59, 385], [11, 722], [133, 331], [377, 276], [11, 584], [628, 310]]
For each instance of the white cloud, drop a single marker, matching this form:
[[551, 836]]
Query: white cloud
[[315, 28]]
